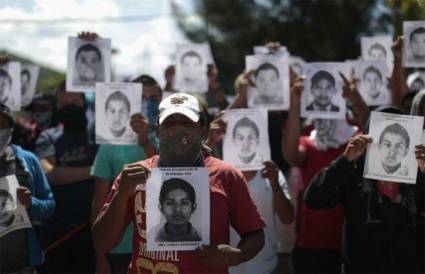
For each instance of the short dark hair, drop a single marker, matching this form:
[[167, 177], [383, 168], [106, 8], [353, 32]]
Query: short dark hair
[[4, 73], [88, 47], [377, 46], [190, 54], [246, 122], [322, 74], [118, 96], [396, 128], [374, 70], [419, 30], [26, 72], [266, 66], [177, 183], [146, 80]]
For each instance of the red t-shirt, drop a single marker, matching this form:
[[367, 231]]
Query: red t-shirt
[[319, 228], [231, 204]]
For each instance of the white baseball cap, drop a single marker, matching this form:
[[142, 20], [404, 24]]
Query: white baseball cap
[[181, 103]]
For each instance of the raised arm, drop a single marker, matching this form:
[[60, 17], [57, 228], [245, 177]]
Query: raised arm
[[112, 221], [398, 86], [242, 83], [292, 152], [281, 204]]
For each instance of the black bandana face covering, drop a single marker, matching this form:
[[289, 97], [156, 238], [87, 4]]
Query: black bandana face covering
[[179, 146]]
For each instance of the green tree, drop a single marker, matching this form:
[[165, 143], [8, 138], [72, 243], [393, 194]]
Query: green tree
[[327, 30]]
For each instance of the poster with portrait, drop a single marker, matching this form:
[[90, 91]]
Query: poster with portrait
[[391, 156], [373, 82], [10, 85], [88, 62], [278, 52], [414, 44], [297, 65], [13, 215], [178, 215], [191, 68], [29, 78], [376, 48], [322, 95], [246, 143], [115, 104], [271, 79]]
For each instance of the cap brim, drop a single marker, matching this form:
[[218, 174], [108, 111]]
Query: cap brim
[[192, 115]]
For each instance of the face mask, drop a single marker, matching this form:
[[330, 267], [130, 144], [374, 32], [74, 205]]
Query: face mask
[[331, 133], [5, 138], [179, 146], [43, 119], [73, 118]]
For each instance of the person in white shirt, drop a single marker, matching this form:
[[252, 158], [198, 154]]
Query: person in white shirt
[[269, 189]]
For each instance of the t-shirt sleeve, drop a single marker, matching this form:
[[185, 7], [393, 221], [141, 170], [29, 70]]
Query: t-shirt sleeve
[[101, 166], [244, 215]]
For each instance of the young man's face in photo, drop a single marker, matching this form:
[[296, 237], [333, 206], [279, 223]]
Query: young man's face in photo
[[177, 207], [324, 127], [417, 45], [191, 67], [323, 90], [373, 83], [4, 88], [267, 83], [117, 114], [6, 208], [246, 142], [376, 53], [393, 148], [88, 65]]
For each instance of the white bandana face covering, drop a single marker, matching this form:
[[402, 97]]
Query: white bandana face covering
[[331, 133]]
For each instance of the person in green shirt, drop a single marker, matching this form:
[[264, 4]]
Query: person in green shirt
[[110, 160]]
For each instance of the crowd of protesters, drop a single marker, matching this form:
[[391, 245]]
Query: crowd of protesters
[[309, 210]]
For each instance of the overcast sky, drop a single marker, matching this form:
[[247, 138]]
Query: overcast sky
[[146, 45]]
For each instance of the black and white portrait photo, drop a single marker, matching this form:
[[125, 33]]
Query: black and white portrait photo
[[13, 215], [115, 103], [297, 65], [391, 155], [246, 143], [179, 203], [271, 79], [322, 95], [414, 44], [378, 48], [88, 62], [29, 77], [373, 83], [10, 85], [191, 68]]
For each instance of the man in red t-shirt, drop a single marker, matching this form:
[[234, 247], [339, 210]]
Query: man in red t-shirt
[[319, 232], [179, 130]]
